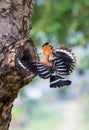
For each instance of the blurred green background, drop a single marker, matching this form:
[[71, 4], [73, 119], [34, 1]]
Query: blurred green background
[[38, 107]]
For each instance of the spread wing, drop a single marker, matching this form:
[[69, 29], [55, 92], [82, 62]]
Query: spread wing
[[65, 61], [57, 81], [42, 70], [23, 64]]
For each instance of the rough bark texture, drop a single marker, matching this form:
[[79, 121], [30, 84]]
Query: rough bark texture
[[15, 22]]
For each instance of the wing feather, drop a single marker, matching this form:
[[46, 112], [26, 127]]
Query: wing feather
[[43, 70], [65, 61]]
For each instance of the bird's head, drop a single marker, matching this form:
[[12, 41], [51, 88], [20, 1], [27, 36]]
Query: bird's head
[[47, 49]]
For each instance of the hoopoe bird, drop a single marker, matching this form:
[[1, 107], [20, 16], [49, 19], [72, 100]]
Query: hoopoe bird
[[54, 65]]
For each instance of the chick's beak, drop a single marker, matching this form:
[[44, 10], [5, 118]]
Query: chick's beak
[[39, 53]]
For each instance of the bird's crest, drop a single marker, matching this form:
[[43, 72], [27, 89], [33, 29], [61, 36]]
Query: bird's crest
[[47, 49]]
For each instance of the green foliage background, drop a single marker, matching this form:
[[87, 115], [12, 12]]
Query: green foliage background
[[61, 21]]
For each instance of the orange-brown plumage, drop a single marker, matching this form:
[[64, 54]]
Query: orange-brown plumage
[[47, 52]]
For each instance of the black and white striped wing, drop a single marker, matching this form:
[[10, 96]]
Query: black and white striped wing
[[37, 68], [24, 65], [65, 61], [57, 81], [43, 70], [24, 68]]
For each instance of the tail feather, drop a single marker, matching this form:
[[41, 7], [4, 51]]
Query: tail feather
[[57, 81]]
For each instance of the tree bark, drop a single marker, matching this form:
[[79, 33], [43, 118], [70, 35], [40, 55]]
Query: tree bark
[[15, 23]]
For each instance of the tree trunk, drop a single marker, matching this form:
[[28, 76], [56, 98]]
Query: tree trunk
[[15, 22]]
